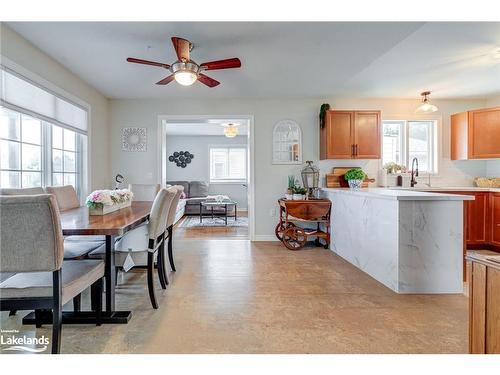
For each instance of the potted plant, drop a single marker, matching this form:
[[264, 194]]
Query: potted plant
[[102, 202], [291, 187], [355, 177], [299, 193]]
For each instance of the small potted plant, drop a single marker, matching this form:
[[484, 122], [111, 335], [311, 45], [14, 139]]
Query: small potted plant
[[355, 177], [299, 193], [291, 187]]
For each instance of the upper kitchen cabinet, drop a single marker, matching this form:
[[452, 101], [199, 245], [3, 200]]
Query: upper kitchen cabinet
[[350, 135], [475, 134]]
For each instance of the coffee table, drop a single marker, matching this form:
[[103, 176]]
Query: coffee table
[[223, 214]]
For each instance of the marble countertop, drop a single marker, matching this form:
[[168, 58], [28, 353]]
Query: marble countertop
[[421, 187], [399, 194]]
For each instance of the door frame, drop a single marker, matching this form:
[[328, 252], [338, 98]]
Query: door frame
[[162, 155]]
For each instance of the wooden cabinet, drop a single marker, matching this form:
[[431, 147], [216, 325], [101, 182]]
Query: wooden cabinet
[[475, 134], [495, 218], [351, 135], [484, 305], [477, 228]]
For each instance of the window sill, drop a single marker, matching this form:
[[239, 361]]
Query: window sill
[[228, 182]]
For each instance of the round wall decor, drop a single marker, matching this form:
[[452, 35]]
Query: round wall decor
[[181, 158], [134, 139]]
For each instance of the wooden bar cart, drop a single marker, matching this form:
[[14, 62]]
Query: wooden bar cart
[[292, 212]]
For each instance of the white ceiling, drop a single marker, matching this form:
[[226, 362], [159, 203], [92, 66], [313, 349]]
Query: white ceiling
[[279, 60], [202, 128]]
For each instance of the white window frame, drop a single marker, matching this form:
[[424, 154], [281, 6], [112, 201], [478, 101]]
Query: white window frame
[[434, 147], [227, 180]]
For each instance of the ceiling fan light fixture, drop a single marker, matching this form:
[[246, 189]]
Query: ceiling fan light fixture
[[185, 77], [230, 130], [426, 106]]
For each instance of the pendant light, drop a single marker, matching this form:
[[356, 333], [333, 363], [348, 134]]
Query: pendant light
[[426, 106], [230, 130]]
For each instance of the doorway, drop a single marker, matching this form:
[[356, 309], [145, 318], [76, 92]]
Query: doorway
[[212, 158]]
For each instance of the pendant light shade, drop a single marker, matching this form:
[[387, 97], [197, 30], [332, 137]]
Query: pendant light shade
[[426, 106], [230, 130]]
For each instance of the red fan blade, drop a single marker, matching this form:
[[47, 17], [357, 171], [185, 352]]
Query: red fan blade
[[210, 82], [222, 64], [166, 80], [182, 47], [146, 62]]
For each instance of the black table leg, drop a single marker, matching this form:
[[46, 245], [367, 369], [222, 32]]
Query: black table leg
[[235, 212], [225, 213], [201, 216], [109, 273]]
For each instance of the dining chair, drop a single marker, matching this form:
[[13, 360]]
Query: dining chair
[[170, 223], [74, 246], [144, 192], [32, 247]]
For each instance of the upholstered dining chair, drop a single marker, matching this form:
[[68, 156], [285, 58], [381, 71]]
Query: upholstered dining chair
[[170, 224], [144, 192], [74, 246], [32, 247]]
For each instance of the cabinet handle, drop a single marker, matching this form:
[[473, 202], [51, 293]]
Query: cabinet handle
[[352, 149], [356, 150]]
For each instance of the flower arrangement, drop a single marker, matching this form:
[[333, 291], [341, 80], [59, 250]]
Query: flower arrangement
[[101, 198]]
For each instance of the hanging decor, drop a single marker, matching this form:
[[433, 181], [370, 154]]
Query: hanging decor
[[322, 113], [181, 158], [134, 139]]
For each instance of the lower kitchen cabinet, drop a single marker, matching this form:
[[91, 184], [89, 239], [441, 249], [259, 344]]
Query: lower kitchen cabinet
[[484, 305], [495, 218]]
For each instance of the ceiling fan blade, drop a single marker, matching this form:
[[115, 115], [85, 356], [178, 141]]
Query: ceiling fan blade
[[166, 80], [182, 47], [147, 62], [222, 64], [210, 82]]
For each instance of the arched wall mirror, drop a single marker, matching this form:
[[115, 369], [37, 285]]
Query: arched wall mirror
[[287, 143]]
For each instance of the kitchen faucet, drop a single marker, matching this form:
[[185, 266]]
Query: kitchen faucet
[[414, 172]]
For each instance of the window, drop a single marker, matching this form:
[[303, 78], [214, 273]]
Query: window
[[404, 140], [36, 153], [43, 137], [228, 164]]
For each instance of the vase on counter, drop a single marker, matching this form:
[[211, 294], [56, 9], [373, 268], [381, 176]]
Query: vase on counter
[[355, 184], [298, 197]]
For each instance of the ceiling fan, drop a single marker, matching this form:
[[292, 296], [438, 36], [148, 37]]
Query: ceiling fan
[[185, 71]]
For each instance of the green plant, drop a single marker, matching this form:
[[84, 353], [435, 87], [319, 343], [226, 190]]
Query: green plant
[[355, 174], [322, 112], [393, 167], [291, 182], [299, 190]]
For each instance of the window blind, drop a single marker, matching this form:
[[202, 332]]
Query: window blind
[[19, 93]]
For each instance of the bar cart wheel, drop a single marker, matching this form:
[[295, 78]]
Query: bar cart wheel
[[294, 238], [281, 227]]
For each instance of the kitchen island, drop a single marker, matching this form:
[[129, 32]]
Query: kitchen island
[[410, 241]]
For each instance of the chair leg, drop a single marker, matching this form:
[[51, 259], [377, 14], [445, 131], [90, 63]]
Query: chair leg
[[151, 285], [56, 312], [95, 296], [12, 312], [160, 265], [117, 270], [38, 318], [170, 255], [97, 286], [77, 303]]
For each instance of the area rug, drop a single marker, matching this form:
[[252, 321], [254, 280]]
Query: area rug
[[194, 221]]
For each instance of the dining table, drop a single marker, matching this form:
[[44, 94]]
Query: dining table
[[78, 222]]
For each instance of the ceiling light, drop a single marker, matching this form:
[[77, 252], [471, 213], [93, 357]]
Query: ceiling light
[[185, 77], [426, 106], [230, 130]]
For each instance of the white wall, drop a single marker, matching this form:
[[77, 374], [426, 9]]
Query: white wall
[[198, 169], [23, 53], [271, 179]]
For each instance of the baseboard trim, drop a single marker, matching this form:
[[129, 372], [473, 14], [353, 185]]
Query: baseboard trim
[[265, 237]]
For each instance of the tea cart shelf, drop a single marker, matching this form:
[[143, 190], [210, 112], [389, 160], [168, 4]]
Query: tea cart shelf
[[293, 213]]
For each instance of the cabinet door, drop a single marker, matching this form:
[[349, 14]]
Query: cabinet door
[[477, 219], [495, 218], [484, 133], [459, 136], [339, 126], [367, 134], [477, 316]]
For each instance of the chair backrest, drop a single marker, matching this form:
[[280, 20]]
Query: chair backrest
[[31, 238], [25, 191], [173, 206], [159, 213], [66, 196], [184, 184], [144, 192]]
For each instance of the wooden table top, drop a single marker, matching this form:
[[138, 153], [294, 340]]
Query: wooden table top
[[78, 221]]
